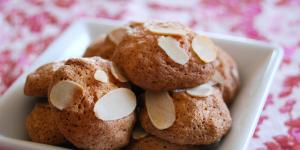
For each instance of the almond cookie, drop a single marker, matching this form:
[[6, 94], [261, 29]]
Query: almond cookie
[[37, 82], [192, 116], [154, 143], [92, 112], [102, 47], [159, 56], [41, 125], [227, 75]]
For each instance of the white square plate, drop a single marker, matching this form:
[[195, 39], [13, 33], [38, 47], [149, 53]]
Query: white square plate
[[257, 63]]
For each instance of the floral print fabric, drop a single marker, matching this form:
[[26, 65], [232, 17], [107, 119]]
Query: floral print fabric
[[29, 26]]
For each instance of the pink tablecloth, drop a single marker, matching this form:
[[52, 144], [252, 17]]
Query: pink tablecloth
[[27, 27]]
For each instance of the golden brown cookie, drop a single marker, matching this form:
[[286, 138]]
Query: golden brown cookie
[[199, 120], [77, 119], [41, 125], [227, 75], [154, 143], [102, 47], [37, 82], [147, 64]]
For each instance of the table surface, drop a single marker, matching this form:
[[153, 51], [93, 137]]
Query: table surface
[[29, 26]]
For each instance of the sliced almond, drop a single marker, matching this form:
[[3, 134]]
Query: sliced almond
[[212, 82], [218, 77], [164, 28], [179, 90], [101, 75], [57, 65], [204, 48], [116, 72], [173, 50], [63, 93], [89, 60], [217, 63], [235, 73], [160, 108], [117, 35], [116, 104], [202, 90], [139, 133]]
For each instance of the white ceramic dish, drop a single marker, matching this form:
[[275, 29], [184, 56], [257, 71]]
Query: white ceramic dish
[[257, 63]]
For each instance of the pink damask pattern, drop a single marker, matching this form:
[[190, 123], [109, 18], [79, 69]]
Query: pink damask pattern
[[29, 26]]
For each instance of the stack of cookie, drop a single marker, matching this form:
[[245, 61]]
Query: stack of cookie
[[152, 85]]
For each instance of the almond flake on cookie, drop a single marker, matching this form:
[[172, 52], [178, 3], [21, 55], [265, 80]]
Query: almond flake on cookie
[[101, 75], [172, 48], [116, 104], [63, 93], [116, 72], [117, 35], [202, 90], [179, 90], [218, 77], [88, 60], [235, 73], [160, 108], [164, 28], [139, 133], [204, 48]]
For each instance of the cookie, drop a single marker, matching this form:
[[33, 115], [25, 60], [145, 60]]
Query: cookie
[[41, 125], [227, 75], [102, 47], [154, 143], [155, 61], [37, 83], [85, 82], [199, 120]]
